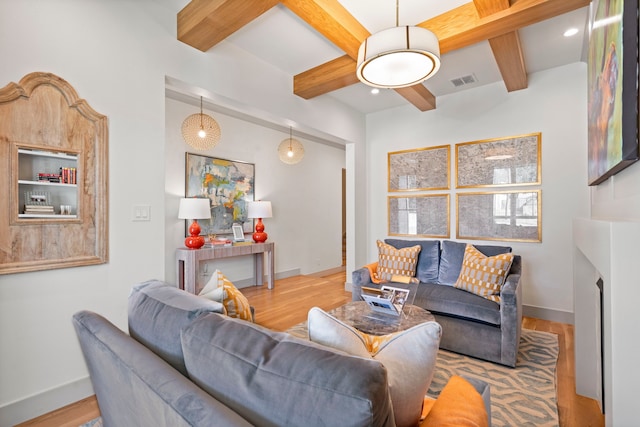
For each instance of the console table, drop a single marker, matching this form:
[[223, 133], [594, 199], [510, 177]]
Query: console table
[[189, 261]]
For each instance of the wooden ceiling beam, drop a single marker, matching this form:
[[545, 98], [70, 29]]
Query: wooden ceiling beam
[[506, 48], [507, 51], [333, 75], [462, 27], [333, 21], [204, 23], [419, 96]]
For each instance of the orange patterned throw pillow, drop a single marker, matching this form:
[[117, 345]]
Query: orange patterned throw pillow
[[483, 275], [396, 262], [220, 289]]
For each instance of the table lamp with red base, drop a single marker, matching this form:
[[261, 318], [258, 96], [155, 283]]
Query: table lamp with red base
[[260, 209], [195, 209]]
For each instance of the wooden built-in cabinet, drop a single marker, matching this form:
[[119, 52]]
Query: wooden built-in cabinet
[[55, 147]]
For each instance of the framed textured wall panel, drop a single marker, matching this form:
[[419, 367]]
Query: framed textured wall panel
[[499, 162], [613, 88], [500, 215], [421, 215], [419, 169]]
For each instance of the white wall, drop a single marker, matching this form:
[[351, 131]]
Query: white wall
[[116, 54], [306, 198], [555, 105]]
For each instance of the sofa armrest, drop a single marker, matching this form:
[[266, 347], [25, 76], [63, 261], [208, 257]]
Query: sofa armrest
[[360, 278], [510, 290], [511, 318], [485, 391]]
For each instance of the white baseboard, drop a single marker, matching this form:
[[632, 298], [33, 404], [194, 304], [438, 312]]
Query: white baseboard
[[245, 283], [548, 314], [328, 272], [47, 401]]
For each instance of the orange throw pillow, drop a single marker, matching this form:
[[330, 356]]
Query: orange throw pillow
[[459, 405]]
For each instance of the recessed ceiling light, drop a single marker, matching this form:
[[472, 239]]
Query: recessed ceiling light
[[375, 91], [571, 32]]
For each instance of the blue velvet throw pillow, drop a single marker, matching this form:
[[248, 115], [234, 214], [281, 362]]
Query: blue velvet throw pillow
[[428, 259], [453, 254]]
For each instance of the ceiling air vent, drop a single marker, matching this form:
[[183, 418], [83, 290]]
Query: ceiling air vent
[[464, 80]]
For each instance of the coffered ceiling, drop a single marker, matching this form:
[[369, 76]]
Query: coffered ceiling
[[316, 41]]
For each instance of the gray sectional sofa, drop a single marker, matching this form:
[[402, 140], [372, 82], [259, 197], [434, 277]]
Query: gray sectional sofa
[[471, 325]]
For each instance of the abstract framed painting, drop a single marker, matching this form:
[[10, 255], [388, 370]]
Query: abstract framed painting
[[613, 88], [419, 169], [229, 184]]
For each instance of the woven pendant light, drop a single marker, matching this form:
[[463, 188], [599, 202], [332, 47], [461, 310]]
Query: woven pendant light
[[290, 150], [200, 130]]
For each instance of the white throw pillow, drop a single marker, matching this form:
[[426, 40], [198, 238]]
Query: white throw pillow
[[409, 357]]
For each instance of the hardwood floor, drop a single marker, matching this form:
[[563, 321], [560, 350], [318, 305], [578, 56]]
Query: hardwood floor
[[287, 305]]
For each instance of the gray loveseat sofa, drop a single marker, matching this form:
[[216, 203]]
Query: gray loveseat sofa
[[184, 364], [471, 325]]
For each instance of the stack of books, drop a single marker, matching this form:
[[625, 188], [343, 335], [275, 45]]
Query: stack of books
[[38, 209]]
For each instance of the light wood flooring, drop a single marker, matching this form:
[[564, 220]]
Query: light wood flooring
[[287, 305]]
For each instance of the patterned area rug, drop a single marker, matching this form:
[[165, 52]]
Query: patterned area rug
[[93, 423], [524, 396]]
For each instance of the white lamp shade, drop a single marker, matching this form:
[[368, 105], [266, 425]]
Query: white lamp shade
[[194, 208], [398, 57], [259, 209]]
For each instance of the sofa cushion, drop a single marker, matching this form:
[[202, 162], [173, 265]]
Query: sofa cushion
[[220, 289], [400, 262], [409, 357], [428, 258], [157, 314], [447, 300], [275, 379], [453, 254], [483, 275]]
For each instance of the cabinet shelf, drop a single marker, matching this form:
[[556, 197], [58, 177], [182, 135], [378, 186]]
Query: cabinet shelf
[[45, 183], [51, 154], [52, 216]]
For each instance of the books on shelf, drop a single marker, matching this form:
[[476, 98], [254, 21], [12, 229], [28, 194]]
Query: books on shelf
[[39, 209]]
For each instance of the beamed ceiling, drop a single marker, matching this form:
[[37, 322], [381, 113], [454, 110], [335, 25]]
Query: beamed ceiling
[[205, 23]]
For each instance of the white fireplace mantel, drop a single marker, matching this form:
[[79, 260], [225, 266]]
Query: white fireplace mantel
[[609, 250]]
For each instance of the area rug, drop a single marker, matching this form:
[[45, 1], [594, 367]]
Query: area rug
[[93, 423], [524, 396]]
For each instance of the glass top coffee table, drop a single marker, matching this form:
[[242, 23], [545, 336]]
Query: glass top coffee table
[[358, 315]]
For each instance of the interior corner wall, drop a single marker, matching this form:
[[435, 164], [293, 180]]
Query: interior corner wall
[[117, 55], [306, 197], [555, 104]]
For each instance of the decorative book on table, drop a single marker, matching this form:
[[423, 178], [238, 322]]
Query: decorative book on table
[[386, 300]]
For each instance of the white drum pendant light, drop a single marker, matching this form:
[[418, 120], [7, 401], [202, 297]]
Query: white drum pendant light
[[200, 130], [398, 57], [290, 150]]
